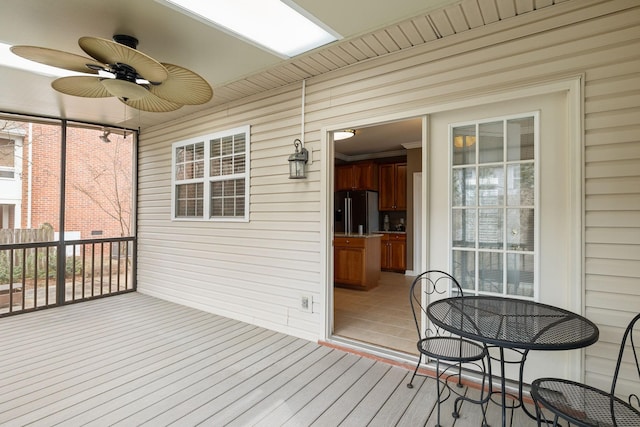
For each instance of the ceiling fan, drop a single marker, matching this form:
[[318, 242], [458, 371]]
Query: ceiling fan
[[131, 76]]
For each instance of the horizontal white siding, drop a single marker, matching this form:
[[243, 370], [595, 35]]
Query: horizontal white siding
[[612, 204], [252, 271], [257, 271]]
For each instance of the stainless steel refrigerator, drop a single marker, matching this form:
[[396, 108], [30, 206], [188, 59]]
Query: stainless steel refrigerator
[[354, 209]]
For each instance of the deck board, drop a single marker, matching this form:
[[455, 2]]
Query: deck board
[[136, 360], [352, 397], [268, 388], [368, 407], [293, 386], [234, 388], [295, 403]]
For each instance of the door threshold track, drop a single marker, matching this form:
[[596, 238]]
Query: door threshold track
[[371, 351], [394, 358]]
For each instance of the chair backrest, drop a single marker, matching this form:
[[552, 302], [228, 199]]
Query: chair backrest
[[431, 282], [629, 345]]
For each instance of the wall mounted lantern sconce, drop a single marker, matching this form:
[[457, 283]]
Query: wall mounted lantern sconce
[[298, 161]]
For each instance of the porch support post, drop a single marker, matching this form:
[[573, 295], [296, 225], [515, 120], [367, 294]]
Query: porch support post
[[61, 247]]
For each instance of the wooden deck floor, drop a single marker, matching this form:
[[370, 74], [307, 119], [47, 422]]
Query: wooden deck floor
[[136, 360]]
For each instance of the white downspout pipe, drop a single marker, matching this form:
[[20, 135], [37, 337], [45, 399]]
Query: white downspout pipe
[[302, 107]]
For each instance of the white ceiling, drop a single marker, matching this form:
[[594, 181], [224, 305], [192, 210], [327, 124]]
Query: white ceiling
[[233, 67], [164, 34], [388, 138]]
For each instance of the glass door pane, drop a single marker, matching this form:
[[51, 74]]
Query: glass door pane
[[493, 205]]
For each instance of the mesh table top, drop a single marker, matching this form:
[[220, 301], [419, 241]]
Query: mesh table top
[[513, 323]]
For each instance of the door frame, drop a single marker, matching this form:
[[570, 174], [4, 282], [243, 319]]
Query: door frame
[[572, 85], [327, 179]]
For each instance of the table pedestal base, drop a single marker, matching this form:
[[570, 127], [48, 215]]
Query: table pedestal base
[[504, 394]]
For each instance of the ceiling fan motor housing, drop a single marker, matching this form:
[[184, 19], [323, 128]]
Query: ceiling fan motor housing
[[126, 40], [125, 72]]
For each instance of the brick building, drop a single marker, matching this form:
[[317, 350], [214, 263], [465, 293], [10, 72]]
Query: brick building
[[98, 180]]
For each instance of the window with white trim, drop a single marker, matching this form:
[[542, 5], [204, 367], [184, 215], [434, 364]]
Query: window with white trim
[[493, 205], [210, 176], [8, 156]]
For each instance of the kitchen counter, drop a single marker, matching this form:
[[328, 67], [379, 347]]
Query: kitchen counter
[[354, 235], [356, 260], [393, 232]]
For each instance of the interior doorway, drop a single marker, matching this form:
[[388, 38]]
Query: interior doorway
[[378, 159]]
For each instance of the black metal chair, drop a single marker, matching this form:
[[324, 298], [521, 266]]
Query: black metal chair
[[439, 345], [583, 405]]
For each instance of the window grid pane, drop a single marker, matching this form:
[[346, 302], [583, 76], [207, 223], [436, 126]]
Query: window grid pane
[[464, 266], [491, 142], [7, 153], [520, 139], [227, 155], [464, 186], [520, 274], [463, 228], [490, 228], [491, 185], [189, 200], [493, 206], [227, 198], [190, 162], [464, 145]]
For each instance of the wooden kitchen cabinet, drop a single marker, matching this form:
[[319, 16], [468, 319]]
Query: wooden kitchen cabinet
[[393, 187], [393, 252], [356, 261], [357, 176]]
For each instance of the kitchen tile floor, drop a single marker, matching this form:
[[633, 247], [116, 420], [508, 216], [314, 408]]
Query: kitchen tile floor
[[380, 316]]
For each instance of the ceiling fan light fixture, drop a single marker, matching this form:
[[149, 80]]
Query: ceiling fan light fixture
[[343, 134], [125, 89]]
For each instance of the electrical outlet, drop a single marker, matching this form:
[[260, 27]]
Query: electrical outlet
[[306, 303]]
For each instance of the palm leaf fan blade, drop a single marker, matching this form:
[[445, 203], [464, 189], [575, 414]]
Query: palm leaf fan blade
[[183, 86], [57, 58], [113, 53], [84, 86], [153, 104]]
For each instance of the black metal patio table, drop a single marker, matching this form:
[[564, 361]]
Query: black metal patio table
[[514, 324]]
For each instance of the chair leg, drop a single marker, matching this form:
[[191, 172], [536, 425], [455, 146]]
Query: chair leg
[[485, 405], [483, 401], [542, 419], [415, 371], [538, 414], [439, 391], [459, 375]]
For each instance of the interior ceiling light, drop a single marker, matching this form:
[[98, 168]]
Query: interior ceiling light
[[280, 26], [343, 134]]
